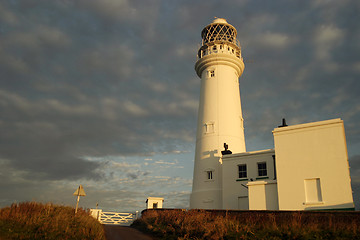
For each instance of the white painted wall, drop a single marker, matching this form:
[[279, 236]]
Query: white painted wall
[[235, 188], [95, 213], [263, 195], [150, 201], [309, 157], [257, 196], [272, 200]]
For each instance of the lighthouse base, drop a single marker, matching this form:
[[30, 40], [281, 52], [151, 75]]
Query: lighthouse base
[[208, 199]]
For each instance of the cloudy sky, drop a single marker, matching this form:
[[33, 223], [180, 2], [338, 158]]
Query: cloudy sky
[[104, 93]]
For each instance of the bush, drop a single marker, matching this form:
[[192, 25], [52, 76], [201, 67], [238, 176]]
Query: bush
[[31, 220], [200, 224]]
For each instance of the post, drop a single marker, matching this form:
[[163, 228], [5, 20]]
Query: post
[[96, 213], [77, 203]]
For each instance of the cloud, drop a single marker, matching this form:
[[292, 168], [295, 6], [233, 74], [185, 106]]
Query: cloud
[[15, 64], [185, 51], [354, 162], [166, 163], [8, 16], [112, 9], [122, 165], [326, 38], [137, 15], [13, 101], [41, 36], [273, 40], [134, 109], [114, 59], [356, 67]]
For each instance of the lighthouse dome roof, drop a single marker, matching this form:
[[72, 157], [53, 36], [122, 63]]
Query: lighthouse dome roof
[[219, 20]]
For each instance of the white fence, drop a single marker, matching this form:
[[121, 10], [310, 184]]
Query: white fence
[[124, 219]]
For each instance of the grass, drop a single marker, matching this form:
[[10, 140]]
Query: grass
[[197, 224], [31, 220]]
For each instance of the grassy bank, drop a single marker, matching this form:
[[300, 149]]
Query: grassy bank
[[33, 220], [177, 224]]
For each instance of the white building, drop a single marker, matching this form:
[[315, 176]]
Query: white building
[[308, 168], [154, 202]]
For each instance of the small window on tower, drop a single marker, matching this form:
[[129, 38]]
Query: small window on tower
[[209, 127], [212, 73], [209, 175]]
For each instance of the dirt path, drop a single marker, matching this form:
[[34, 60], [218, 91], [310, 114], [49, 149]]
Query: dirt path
[[116, 232]]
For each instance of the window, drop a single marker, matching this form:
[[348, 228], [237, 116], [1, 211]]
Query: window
[[242, 171], [211, 73], [209, 175], [209, 127], [262, 171]]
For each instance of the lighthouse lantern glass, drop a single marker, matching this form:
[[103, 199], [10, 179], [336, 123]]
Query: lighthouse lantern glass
[[219, 32]]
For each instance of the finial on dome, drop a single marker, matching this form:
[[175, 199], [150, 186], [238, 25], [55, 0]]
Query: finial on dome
[[219, 20]]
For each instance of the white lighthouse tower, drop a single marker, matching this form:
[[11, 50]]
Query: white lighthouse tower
[[220, 121]]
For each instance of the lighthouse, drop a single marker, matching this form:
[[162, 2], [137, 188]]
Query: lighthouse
[[220, 124]]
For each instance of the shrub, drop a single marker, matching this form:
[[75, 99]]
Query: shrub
[[201, 224], [31, 220]]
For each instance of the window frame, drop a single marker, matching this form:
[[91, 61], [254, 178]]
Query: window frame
[[262, 172], [209, 127], [241, 172]]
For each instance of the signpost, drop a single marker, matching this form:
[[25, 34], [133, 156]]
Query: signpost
[[79, 192]]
